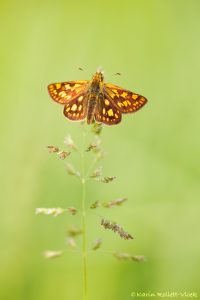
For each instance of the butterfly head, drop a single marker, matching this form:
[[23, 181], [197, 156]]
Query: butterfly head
[[98, 76]]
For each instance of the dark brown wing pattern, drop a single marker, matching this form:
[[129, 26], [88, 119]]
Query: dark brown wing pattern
[[107, 112], [76, 109], [126, 101], [64, 92], [74, 95]]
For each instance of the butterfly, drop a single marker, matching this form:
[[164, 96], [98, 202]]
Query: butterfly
[[95, 100]]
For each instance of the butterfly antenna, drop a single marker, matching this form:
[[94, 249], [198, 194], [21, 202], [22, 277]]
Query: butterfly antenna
[[80, 69], [118, 74]]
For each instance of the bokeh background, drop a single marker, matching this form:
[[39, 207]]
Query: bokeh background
[[154, 153]]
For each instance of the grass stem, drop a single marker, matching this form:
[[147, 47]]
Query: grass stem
[[84, 227]]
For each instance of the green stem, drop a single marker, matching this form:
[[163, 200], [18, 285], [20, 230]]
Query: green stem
[[84, 230], [84, 246]]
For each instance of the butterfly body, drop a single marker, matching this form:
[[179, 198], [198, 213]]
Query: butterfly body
[[95, 88], [95, 100]]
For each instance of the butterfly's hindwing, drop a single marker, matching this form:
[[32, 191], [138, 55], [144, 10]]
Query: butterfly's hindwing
[[64, 92], [125, 100], [106, 112], [76, 109]]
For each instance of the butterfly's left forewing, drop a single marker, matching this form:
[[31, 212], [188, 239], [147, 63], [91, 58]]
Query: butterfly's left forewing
[[72, 94], [126, 101], [64, 92]]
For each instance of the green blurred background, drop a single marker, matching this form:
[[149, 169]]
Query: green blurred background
[[154, 153]]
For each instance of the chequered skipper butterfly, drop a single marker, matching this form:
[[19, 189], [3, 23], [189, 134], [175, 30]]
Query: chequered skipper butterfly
[[95, 100]]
